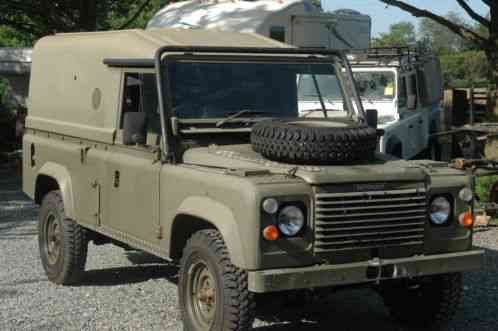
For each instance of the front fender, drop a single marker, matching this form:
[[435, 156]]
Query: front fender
[[222, 218], [63, 178]]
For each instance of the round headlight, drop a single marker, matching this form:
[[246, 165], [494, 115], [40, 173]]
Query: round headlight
[[466, 195], [290, 220], [440, 210], [270, 206]]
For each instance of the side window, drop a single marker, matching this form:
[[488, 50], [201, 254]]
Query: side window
[[277, 33], [403, 92], [412, 99], [413, 85], [140, 95]]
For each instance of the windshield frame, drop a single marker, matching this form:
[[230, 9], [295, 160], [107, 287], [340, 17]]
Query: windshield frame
[[168, 55]]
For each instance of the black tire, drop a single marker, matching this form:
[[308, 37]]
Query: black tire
[[233, 303], [429, 303], [314, 141], [62, 242]]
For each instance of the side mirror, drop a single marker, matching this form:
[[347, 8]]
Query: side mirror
[[411, 102], [372, 117], [134, 128]]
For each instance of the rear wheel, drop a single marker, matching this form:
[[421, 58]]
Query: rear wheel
[[62, 242], [427, 302], [213, 292]]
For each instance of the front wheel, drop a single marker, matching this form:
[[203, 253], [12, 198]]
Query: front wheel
[[427, 302], [62, 242], [213, 292]]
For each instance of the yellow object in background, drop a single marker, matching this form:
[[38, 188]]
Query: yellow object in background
[[389, 91]]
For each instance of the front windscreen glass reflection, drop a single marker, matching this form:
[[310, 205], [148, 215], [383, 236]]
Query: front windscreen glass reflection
[[217, 90]]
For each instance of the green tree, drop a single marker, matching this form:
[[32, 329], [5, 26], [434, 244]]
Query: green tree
[[33, 19], [441, 39], [486, 40], [399, 35]]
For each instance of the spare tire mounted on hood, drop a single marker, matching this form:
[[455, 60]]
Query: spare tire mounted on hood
[[314, 141]]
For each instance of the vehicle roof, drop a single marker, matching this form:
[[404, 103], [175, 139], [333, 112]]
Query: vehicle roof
[[143, 44], [84, 92]]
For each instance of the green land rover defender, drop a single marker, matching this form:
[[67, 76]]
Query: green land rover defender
[[186, 144]]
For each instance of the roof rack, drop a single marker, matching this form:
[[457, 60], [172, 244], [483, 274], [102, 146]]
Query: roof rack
[[387, 55]]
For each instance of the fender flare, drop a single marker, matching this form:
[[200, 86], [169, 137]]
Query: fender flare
[[220, 217], [63, 178]]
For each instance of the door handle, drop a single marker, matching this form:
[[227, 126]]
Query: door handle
[[410, 126], [117, 176], [420, 121]]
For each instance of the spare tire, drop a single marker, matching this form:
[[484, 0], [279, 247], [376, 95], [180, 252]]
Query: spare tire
[[314, 141]]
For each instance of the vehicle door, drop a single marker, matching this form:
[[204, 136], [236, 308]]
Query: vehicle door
[[408, 129], [133, 170]]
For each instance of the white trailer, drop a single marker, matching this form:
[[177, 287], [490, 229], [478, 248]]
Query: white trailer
[[295, 22]]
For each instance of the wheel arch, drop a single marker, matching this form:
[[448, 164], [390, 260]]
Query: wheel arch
[[53, 176], [201, 213]]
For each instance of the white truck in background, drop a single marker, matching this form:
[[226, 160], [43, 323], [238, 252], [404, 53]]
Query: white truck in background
[[405, 87], [295, 22]]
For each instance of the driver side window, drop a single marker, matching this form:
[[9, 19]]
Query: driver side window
[[140, 95]]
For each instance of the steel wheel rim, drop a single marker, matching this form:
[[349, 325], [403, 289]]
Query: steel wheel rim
[[202, 295], [53, 239]]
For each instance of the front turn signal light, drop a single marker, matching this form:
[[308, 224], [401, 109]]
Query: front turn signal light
[[271, 233], [466, 219]]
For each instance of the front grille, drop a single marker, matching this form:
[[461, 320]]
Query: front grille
[[374, 219]]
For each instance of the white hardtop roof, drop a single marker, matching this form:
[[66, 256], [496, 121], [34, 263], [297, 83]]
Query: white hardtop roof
[[244, 16]]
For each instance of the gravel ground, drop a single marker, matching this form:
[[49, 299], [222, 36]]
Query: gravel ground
[[120, 295]]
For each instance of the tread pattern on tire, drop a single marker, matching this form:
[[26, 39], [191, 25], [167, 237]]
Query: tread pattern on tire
[[241, 308], [277, 140], [75, 244], [434, 309]]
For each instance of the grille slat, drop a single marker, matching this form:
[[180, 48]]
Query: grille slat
[[337, 229], [323, 202], [380, 206], [362, 221], [373, 219], [413, 211]]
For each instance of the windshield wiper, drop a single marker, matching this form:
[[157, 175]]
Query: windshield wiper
[[219, 124]]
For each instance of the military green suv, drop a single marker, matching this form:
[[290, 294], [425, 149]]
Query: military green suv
[[186, 144]]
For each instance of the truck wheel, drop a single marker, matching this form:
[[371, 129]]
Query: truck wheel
[[314, 141], [428, 303], [62, 242], [213, 292]]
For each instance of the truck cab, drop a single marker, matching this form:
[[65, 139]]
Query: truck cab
[[404, 86]]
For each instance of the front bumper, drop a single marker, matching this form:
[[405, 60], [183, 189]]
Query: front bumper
[[363, 272]]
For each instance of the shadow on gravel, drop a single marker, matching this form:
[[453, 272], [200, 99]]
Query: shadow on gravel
[[129, 275], [7, 294]]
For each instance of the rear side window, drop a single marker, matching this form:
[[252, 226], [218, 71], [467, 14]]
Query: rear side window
[[277, 33]]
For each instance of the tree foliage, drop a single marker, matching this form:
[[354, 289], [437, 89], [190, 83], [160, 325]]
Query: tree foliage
[[485, 38], [400, 35], [32, 19], [441, 39]]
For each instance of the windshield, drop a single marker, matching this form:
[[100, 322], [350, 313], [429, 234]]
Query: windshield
[[218, 90], [328, 86], [375, 85]]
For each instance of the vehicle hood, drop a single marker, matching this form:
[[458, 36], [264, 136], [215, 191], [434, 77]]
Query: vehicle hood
[[242, 157]]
